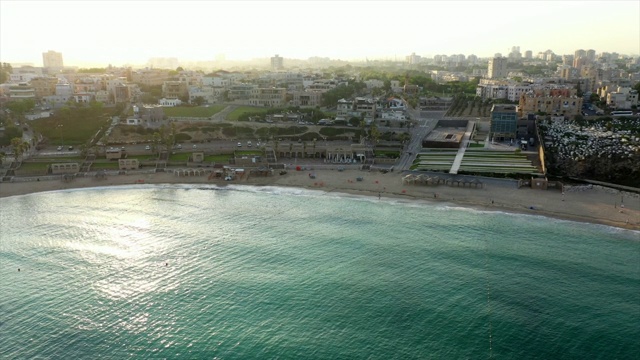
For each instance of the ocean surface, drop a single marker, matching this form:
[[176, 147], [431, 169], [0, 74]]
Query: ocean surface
[[200, 272]]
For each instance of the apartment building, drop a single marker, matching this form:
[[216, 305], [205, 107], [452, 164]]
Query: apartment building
[[360, 107], [44, 86], [268, 97], [208, 93], [175, 89], [215, 81], [618, 97], [497, 68], [551, 101], [151, 115], [240, 92], [52, 61], [191, 78], [307, 98], [150, 77], [277, 62], [82, 98], [21, 91]]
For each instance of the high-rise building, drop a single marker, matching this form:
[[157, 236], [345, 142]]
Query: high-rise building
[[579, 53], [52, 60], [567, 60], [497, 68], [414, 59], [591, 55], [277, 63], [514, 54], [528, 54]]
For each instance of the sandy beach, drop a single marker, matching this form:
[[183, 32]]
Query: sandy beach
[[586, 204]]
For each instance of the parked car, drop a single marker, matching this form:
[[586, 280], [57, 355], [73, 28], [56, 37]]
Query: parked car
[[239, 144], [59, 148], [147, 147]]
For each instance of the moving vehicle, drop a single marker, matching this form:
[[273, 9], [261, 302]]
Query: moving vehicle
[[147, 147], [239, 144]]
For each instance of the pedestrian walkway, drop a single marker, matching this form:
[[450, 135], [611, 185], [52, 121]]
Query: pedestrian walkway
[[463, 147]]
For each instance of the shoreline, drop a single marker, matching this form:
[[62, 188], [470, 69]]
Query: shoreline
[[594, 205]]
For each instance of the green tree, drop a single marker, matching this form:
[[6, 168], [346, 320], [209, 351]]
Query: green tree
[[156, 141], [10, 132], [18, 147], [375, 134], [173, 133], [5, 72], [198, 100], [21, 107]]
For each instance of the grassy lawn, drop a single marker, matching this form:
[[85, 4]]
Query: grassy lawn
[[217, 158], [390, 154], [106, 166], [50, 160], [142, 157], [33, 168], [249, 152], [235, 114], [179, 157], [188, 111], [76, 128]]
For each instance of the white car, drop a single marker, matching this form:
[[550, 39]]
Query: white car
[[239, 144], [195, 146], [59, 148], [147, 147]]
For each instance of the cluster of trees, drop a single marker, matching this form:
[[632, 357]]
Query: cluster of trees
[[5, 72], [331, 97], [163, 139]]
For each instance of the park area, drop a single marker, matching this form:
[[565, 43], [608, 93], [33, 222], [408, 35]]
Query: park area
[[193, 111], [73, 126]]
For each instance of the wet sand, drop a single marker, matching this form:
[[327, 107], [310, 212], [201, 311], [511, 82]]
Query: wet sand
[[587, 204]]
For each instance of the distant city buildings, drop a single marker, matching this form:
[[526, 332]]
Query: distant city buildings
[[170, 63]]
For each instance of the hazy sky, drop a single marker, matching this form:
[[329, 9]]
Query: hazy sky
[[119, 32]]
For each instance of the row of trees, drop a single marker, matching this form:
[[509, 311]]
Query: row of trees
[[163, 139]]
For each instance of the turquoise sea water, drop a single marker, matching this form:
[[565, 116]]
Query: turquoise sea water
[[272, 273]]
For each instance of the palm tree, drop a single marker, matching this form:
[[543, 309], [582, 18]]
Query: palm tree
[[16, 144]]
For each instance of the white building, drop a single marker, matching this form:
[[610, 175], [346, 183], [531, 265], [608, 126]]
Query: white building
[[515, 91], [169, 102], [374, 83], [215, 81]]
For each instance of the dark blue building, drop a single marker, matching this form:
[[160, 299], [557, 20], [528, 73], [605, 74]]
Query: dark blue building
[[504, 122]]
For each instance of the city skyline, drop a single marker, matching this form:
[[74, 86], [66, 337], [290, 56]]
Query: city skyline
[[134, 32]]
